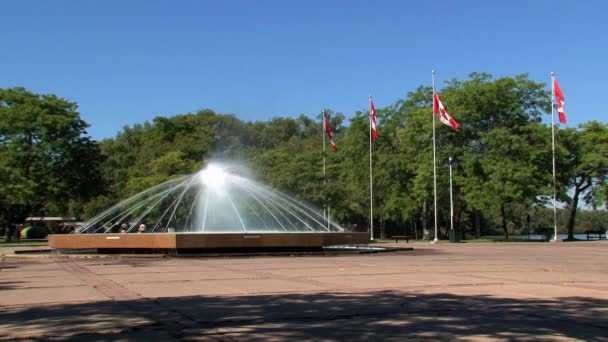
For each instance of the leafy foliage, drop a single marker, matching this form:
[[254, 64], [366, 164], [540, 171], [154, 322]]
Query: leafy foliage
[[502, 169], [584, 167], [46, 158]]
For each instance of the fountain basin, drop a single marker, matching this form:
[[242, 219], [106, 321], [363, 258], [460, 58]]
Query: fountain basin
[[206, 241]]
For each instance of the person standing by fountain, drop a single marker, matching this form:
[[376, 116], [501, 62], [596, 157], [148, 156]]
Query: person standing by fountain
[[123, 228], [142, 228]]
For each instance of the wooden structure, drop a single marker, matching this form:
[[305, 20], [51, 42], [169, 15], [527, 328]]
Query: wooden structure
[[202, 241]]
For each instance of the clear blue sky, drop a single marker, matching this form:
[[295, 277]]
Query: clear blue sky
[[127, 61]]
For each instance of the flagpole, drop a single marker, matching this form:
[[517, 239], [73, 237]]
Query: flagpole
[[556, 237], [434, 167], [371, 184], [324, 178], [451, 198]]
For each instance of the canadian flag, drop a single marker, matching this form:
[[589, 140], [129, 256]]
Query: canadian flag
[[443, 113], [329, 133], [559, 96], [372, 117]]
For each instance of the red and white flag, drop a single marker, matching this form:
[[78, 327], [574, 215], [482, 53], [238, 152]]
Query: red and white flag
[[559, 96], [438, 108], [372, 117], [329, 133]]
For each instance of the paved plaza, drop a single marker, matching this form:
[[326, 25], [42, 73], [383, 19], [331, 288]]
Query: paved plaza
[[501, 291]]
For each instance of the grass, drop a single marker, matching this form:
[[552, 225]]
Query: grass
[[501, 240], [481, 240]]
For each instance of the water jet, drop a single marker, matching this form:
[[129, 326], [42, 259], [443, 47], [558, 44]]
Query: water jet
[[216, 208]]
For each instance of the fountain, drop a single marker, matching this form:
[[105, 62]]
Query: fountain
[[218, 207]]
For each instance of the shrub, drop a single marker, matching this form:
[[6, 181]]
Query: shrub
[[35, 232]]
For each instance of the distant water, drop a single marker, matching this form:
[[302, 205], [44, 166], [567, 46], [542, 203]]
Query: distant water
[[541, 237]]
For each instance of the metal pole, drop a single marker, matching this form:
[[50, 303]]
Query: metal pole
[[451, 198], [371, 184], [328, 216], [324, 178], [434, 168], [556, 237]]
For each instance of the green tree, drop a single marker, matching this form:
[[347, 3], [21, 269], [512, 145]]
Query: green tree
[[47, 159], [171, 165], [510, 171], [501, 146], [294, 162], [416, 144], [502, 154], [584, 167]]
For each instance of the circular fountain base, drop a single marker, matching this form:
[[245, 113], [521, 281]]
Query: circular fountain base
[[195, 242]]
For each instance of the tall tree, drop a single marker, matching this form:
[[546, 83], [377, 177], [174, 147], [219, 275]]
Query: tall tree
[[47, 157], [584, 166], [509, 171], [501, 146], [416, 144]]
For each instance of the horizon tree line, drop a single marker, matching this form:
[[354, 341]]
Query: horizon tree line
[[502, 153]]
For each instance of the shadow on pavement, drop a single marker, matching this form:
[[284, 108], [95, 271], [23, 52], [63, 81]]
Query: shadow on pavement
[[370, 316]]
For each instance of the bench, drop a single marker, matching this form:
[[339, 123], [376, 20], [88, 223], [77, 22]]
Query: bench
[[600, 234], [402, 237]]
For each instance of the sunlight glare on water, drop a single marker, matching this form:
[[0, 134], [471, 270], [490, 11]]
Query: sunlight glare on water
[[213, 176]]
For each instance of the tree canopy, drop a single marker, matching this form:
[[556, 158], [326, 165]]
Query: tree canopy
[[502, 158], [48, 162]]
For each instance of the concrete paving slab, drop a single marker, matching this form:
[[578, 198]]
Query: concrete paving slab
[[134, 269], [40, 282], [473, 292], [546, 276], [64, 294], [322, 271], [402, 280], [19, 266], [183, 288], [53, 273], [65, 322], [153, 276]]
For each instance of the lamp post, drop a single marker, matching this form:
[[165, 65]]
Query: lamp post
[[451, 198]]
